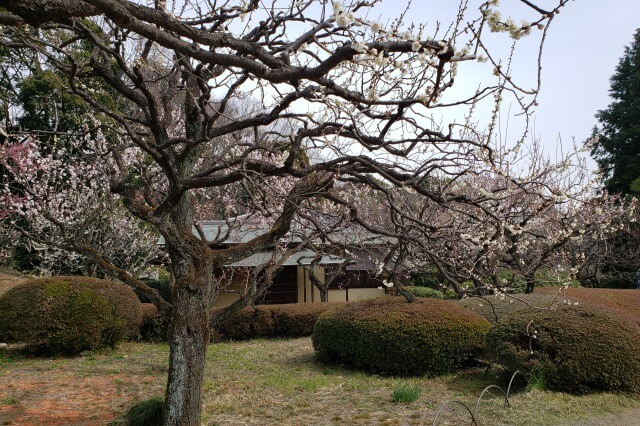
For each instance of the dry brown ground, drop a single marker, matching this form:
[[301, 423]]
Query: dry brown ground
[[9, 280], [272, 382], [629, 418], [92, 390]]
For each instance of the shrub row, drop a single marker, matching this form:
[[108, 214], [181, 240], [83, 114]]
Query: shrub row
[[67, 315], [389, 335], [154, 326], [293, 320]]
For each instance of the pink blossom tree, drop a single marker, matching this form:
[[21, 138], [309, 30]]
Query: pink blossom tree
[[62, 204]]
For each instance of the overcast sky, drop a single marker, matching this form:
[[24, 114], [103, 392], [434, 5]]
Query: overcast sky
[[586, 42], [584, 45]]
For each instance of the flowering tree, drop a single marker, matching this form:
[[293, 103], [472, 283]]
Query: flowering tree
[[506, 224], [61, 204], [614, 253], [358, 97]]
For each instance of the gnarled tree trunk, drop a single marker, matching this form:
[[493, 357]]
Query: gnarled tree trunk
[[189, 336]]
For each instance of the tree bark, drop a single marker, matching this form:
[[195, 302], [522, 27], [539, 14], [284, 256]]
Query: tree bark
[[189, 333], [405, 293], [188, 338], [324, 294], [531, 284]]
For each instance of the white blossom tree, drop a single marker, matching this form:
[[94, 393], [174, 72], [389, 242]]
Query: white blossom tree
[[61, 204], [362, 100]]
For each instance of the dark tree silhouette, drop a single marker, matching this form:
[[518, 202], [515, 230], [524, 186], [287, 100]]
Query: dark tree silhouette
[[616, 141]]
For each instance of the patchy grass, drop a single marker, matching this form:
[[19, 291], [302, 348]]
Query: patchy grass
[[267, 382]]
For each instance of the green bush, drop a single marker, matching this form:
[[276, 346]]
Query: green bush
[[67, 315], [575, 349], [555, 278], [510, 281], [145, 413], [432, 293], [162, 286], [294, 320], [624, 304], [427, 278], [616, 282], [389, 335], [405, 393]]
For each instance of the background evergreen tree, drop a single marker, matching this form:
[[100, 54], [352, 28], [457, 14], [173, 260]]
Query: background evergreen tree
[[616, 145]]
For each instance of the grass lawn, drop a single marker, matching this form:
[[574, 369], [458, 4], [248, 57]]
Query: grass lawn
[[265, 382]]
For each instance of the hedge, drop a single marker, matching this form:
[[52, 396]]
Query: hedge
[[576, 349], [290, 320], [389, 335], [67, 315]]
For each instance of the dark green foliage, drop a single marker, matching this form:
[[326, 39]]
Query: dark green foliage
[[67, 315], [389, 335], [23, 257], [536, 381], [294, 320], [620, 282], [553, 278], [427, 278], [405, 393], [49, 105], [511, 281], [617, 142], [432, 293], [620, 258], [162, 286], [154, 326], [146, 413], [576, 349]]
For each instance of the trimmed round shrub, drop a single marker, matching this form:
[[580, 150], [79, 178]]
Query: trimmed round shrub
[[389, 335], [576, 349], [294, 320], [67, 315]]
